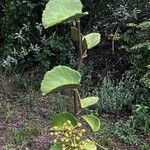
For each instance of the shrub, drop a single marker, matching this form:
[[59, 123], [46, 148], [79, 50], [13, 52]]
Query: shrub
[[25, 43], [136, 42], [115, 97], [140, 118]]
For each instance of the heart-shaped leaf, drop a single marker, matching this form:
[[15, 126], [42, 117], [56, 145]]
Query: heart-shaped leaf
[[90, 146], [58, 78], [93, 122], [62, 118], [58, 11], [56, 147], [91, 40], [86, 102]]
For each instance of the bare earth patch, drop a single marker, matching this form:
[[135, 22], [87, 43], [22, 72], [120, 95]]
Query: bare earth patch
[[33, 109]]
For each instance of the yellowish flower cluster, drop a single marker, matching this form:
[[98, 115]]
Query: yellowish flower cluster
[[71, 138]]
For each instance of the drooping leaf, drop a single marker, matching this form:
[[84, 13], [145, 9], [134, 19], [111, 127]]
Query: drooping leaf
[[56, 147], [62, 118], [90, 146], [58, 78], [58, 11], [86, 102], [91, 40], [74, 34], [93, 122]]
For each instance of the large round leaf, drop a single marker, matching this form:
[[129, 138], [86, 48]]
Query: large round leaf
[[57, 11], [58, 78], [93, 122], [91, 40], [90, 146], [86, 102], [62, 118], [56, 147]]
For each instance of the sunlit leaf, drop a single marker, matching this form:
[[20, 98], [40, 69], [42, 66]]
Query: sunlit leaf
[[93, 122], [56, 147], [91, 40], [90, 146], [86, 102], [58, 78], [62, 118], [58, 11]]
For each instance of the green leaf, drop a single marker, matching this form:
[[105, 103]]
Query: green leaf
[[58, 78], [90, 146], [74, 34], [93, 122], [56, 147], [77, 16], [86, 102], [62, 118], [91, 40], [58, 11]]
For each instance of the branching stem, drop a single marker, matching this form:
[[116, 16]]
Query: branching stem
[[97, 143]]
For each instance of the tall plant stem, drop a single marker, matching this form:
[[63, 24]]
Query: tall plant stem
[[80, 59], [80, 45]]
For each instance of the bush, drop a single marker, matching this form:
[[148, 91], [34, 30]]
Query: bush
[[108, 15], [140, 118], [115, 97], [136, 42], [25, 44]]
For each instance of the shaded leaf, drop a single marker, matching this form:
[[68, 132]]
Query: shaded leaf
[[74, 34], [91, 40], [86, 102], [93, 122], [62, 118], [58, 78], [58, 11]]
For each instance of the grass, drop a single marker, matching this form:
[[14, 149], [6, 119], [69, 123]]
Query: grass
[[103, 136], [27, 131]]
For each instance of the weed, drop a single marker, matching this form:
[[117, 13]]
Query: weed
[[20, 82], [125, 133], [140, 118], [5, 111], [9, 147], [144, 146], [5, 84], [103, 136], [26, 132]]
